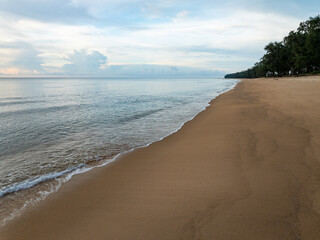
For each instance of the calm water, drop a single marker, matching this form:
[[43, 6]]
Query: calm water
[[51, 127]]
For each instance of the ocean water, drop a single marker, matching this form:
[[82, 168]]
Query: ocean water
[[51, 128]]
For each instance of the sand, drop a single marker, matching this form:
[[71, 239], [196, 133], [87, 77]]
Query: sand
[[248, 167]]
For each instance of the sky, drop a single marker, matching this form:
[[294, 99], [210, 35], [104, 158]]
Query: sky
[[140, 37]]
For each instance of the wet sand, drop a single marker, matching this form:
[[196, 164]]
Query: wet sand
[[248, 167]]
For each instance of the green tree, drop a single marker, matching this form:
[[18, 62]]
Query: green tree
[[313, 43], [299, 52], [276, 59], [295, 45]]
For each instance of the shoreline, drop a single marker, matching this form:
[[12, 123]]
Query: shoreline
[[225, 169], [58, 179]]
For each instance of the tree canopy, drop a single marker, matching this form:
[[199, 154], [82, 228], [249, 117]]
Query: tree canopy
[[298, 53]]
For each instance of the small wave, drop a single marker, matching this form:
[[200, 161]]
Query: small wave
[[140, 115], [12, 98], [19, 103], [40, 110], [33, 182]]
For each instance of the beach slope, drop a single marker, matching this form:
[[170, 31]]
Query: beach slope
[[248, 167]]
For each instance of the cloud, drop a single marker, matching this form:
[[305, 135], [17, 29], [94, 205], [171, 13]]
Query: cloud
[[212, 35], [184, 41], [45, 10], [82, 62], [24, 59], [159, 71], [28, 59], [134, 13], [94, 64]]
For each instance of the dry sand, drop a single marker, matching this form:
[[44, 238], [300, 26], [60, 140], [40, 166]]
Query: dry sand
[[248, 167]]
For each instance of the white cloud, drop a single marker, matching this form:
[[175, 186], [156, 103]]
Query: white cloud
[[82, 62], [20, 57], [181, 38]]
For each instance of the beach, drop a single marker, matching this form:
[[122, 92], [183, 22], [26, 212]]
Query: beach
[[247, 167]]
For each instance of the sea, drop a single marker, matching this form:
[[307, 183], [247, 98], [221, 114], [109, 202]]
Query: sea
[[54, 128]]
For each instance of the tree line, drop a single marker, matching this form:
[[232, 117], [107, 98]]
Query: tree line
[[298, 53]]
